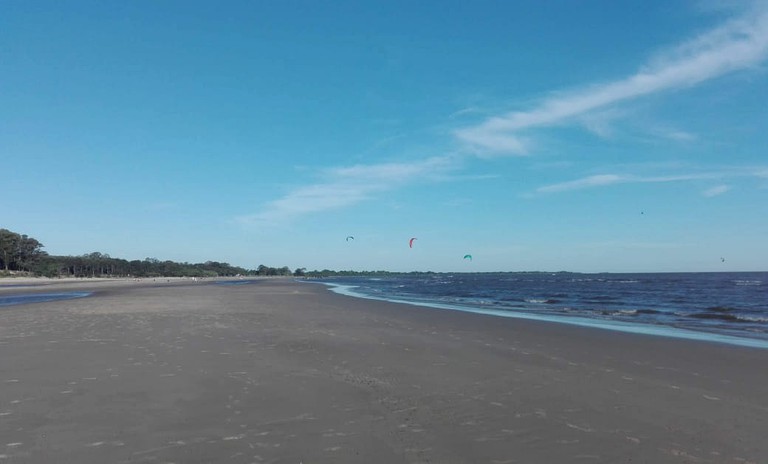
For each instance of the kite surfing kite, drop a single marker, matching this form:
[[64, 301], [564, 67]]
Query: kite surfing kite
[[469, 257], [350, 238], [410, 242]]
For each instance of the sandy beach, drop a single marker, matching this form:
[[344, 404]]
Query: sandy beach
[[277, 371]]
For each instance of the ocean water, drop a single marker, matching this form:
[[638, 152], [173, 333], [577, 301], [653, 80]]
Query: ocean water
[[723, 307]]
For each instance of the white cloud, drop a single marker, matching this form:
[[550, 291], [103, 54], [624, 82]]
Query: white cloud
[[681, 136], [612, 179], [680, 177], [347, 186], [715, 191], [464, 111], [586, 182], [488, 144], [676, 135], [599, 122], [738, 44], [392, 172]]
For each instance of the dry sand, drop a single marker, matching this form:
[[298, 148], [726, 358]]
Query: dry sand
[[283, 372]]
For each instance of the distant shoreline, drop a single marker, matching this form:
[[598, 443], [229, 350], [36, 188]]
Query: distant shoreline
[[37, 284]]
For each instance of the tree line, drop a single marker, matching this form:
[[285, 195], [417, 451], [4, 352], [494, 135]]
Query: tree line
[[21, 254]]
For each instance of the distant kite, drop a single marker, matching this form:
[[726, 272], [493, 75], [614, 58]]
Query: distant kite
[[410, 242], [469, 257], [350, 238], [722, 260]]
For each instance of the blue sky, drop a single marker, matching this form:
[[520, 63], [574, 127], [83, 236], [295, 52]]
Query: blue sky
[[582, 136]]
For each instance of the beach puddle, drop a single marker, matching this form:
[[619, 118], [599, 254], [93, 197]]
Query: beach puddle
[[12, 300], [234, 282]]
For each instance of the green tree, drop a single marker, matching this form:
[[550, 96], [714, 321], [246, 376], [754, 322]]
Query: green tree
[[8, 241], [18, 252]]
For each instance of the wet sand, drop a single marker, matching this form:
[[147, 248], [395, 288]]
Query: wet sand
[[281, 372]]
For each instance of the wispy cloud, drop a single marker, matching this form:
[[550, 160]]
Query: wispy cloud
[[347, 186], [736, 45], [464, 112], [613, 179], [599, 122], [391, 172], [715, 191], [583, 183], [680, 135]]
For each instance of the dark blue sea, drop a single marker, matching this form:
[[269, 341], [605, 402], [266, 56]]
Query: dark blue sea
[[724, 307]]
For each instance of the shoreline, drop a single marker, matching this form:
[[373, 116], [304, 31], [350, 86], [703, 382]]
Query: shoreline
[[38, 284], [281, 371], [618, 326]]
